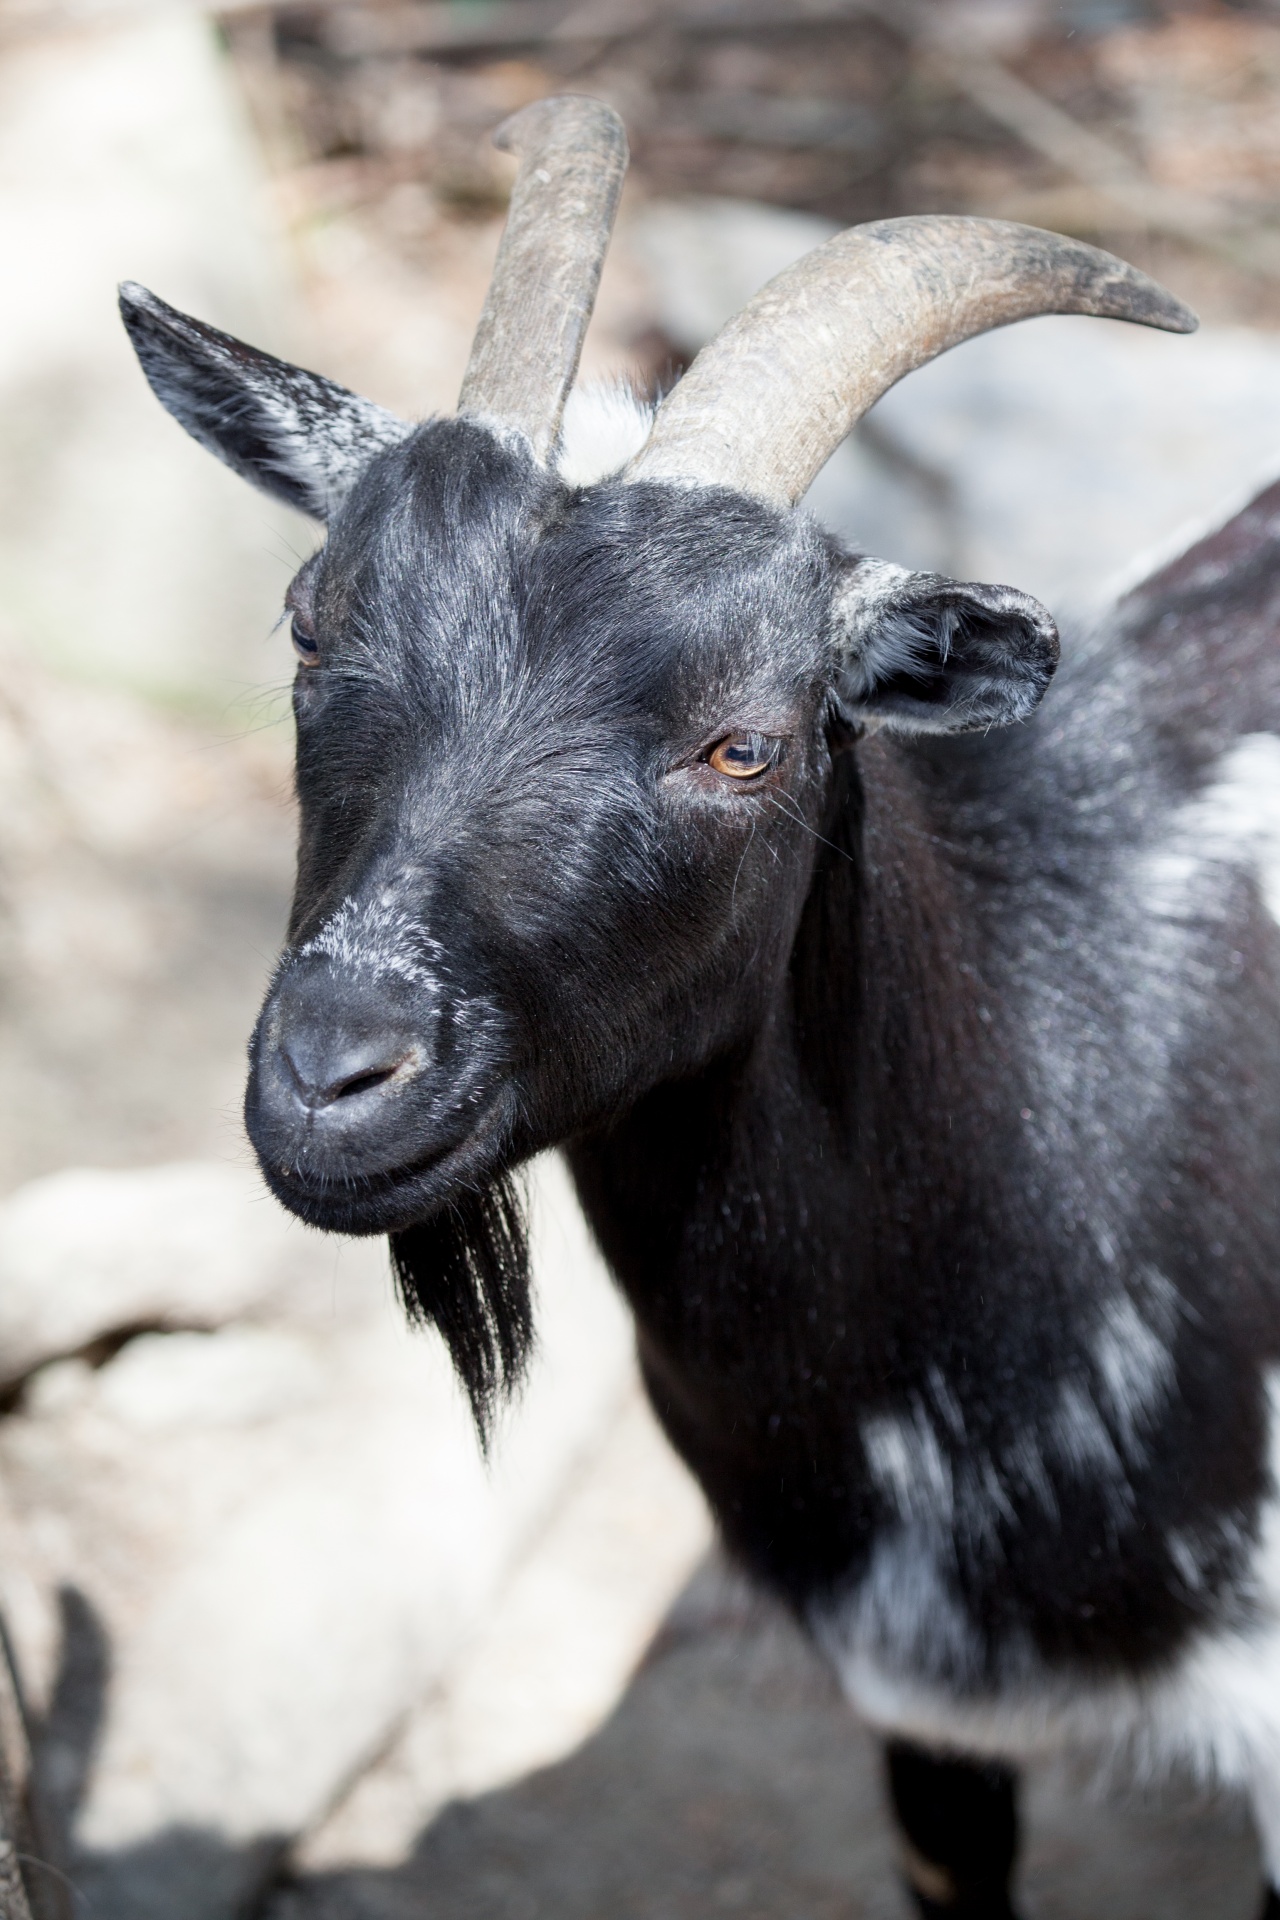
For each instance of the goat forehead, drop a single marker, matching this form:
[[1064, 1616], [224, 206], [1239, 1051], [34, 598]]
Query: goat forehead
[[486, 632], [498, 582]]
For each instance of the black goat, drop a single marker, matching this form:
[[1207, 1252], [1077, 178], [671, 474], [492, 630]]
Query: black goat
[[920, 1073]]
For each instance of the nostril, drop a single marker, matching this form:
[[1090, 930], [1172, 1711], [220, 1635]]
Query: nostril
[[362, 1082], [321, 1081]]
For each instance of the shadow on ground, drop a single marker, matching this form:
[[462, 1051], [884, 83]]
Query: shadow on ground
[[731, 1780]]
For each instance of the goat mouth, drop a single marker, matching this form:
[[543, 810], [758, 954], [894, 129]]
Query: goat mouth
[[388, 1199]]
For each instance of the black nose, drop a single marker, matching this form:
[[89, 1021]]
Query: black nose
[[328, 1067]]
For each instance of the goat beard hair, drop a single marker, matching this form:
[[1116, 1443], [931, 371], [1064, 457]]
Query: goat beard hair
[[466, 1272]]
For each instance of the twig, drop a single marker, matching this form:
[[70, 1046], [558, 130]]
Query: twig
[[15, 1773]]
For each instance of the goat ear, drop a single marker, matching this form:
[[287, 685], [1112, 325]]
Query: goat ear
[[295, 434], [925, 654]]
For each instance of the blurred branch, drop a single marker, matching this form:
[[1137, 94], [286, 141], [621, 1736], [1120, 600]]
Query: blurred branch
[[1108, 189], [436, 26], [1047, 129]]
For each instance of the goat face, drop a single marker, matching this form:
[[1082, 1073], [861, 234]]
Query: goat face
[[563, 756], [562, 764], [526, 891]]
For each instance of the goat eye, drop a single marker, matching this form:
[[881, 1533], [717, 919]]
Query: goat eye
[[305, 644], [743, 756]]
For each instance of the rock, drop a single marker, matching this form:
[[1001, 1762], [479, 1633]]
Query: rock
[[143, 891], [130, 556], [551, 1661], [276, 1534], [87, 1254]]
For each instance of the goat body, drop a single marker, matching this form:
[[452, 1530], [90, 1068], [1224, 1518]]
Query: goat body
[[915, 1041], [957, 1282]]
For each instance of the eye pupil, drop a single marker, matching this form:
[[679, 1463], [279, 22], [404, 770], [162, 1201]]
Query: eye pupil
[[743, 755], [305, 644]]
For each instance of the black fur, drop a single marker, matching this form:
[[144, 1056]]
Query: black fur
[[299, 437], [960, 1823], [923, 1092], [465, 1270]]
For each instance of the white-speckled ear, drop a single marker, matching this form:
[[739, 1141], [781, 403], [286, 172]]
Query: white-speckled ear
[[298, 436], [925, 654]]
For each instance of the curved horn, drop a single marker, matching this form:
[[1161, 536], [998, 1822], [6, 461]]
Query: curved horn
[[765, 405], [573, 154]]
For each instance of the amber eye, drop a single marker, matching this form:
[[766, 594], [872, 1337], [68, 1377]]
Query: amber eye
[[743, 756], [305, 644]]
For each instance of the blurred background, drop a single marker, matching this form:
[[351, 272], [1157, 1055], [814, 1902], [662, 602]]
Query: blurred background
[[291, 1651]]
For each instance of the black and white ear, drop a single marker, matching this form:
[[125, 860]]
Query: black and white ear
[[925, 654], [296, 435]]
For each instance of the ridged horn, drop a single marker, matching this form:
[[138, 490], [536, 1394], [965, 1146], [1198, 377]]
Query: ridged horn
[[767, 402], [573, 155]]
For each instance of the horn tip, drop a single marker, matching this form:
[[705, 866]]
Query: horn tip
[[511, 134], [1144, 302], [1164, 310]]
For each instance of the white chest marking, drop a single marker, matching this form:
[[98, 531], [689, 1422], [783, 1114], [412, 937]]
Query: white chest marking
[[1233, 823], [1216, 1710]]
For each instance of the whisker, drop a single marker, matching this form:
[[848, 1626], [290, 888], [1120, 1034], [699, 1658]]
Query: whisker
[[800, 821], [733, 896]]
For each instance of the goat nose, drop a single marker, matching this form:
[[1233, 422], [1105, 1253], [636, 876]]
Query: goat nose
[[328, 1069]]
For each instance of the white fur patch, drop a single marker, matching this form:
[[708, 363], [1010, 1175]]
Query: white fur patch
[[1135, 1365], [1095, 1429], [860, 602], [909, 1467], [605, 426], [1234, 822], [1185, 887], [1216, 1711], [378, 940]]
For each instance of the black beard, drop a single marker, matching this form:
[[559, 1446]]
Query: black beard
[[466, 1271]]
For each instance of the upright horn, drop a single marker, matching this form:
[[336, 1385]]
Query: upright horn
[[573, 154], [767, 402]]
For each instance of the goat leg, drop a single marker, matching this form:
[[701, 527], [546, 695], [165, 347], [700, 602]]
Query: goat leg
[[959, 1824]]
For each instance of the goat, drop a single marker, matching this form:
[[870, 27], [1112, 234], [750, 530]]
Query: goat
[[914, 1045]]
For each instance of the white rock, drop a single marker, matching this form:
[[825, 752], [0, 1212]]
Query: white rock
[[552, 1660], [88, 1253], [285, 1528], [231, 1378]]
